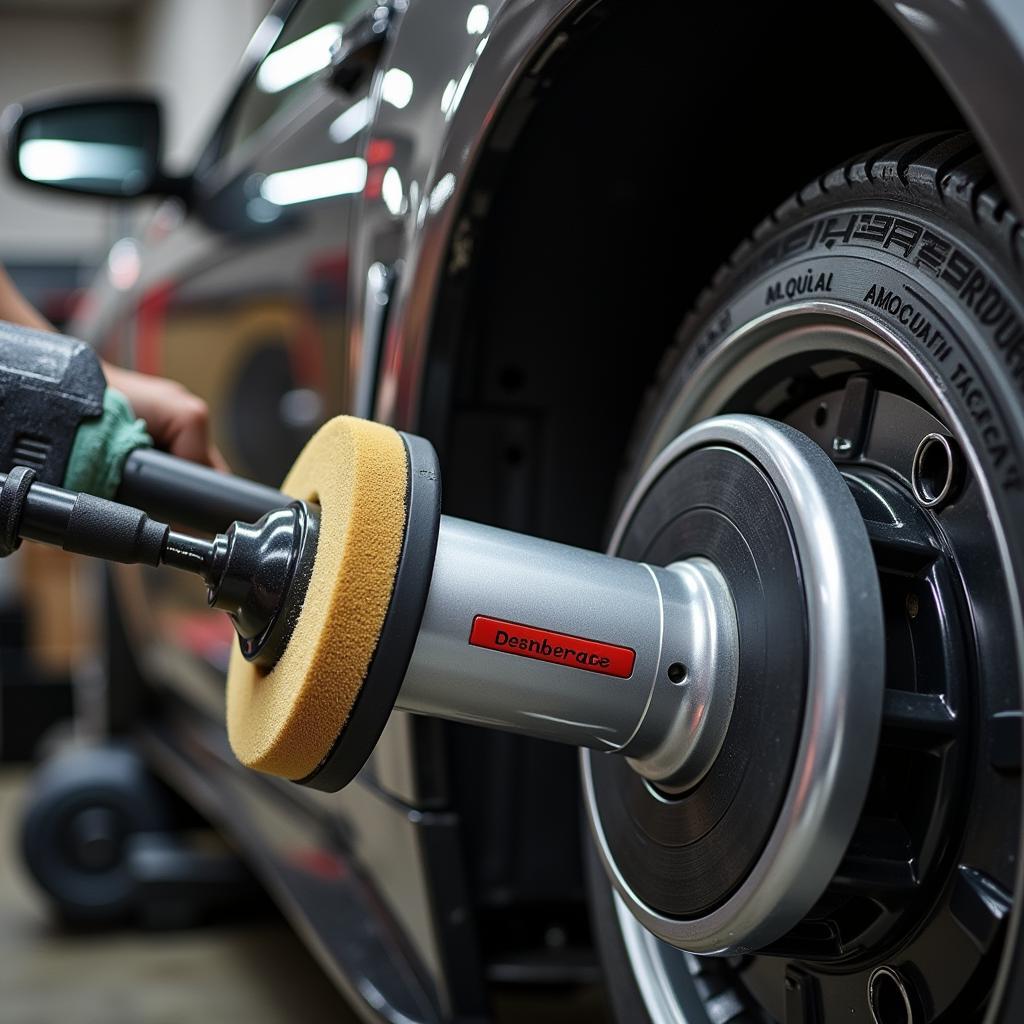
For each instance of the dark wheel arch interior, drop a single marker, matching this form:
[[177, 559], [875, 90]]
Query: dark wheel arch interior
[[617, 179]]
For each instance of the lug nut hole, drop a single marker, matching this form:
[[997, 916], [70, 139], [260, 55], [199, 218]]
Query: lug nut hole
[[889, 998], [677, 672], [936, 470]]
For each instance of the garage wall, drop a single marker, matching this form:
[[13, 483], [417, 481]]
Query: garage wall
[[187, 50], [43, 54]]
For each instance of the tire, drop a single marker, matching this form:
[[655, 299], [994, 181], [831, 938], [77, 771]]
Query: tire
[[81, 810], [915, 240]]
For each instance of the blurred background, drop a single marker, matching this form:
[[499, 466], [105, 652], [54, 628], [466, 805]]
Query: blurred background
[[248, 970], [184, 50]]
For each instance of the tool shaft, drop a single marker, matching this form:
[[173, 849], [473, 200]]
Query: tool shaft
[[559, 643], [249, 569], [196, 496], [87, 525]]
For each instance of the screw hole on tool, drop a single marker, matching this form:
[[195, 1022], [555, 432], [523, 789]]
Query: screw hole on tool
[[889, 998], [820, 415], [935, 471], [677, 672]]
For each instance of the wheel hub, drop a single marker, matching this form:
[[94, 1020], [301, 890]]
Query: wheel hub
[[733, 861], [916, 912]]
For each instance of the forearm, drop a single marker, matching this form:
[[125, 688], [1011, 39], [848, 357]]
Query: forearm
[[15, 308]]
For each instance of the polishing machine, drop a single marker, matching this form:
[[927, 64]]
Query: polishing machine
[[748, 673]]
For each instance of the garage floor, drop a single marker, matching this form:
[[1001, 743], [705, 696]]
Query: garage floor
[[253, 973], [257, 973]]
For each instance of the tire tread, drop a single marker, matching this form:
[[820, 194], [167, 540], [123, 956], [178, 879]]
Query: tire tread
[[941, 168]]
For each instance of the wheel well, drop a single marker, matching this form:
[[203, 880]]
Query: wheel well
[[619, 176], [630, 161]]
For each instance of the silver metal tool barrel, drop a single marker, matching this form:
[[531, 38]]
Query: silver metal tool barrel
[[536, 637]]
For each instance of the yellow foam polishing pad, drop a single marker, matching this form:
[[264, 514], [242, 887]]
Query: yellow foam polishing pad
[[285, 721]]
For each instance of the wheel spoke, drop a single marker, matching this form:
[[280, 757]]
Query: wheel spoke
[[1005, 745], [895, 548], [803, 1001], [980, 906], [854, 417], [922, 721], [880, 859]]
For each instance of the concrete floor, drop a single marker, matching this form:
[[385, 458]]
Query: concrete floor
[[253, 973], [257, 973]]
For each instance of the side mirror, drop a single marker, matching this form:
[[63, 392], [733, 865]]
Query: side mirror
[[100, 147]]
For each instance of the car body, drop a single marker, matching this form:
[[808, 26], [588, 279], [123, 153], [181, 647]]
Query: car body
[[480, 236]]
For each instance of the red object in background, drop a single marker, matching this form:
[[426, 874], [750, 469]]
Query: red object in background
[[149, 333], [207, 634], [379, 151], [374, 181], [318, 862]]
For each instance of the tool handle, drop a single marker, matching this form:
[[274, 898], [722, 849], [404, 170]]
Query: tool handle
[[197, 496], [254, 571], [76, 522]]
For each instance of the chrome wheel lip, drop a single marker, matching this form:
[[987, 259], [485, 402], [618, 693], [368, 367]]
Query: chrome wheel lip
[[817, 316], [835, 755], [656, 975]]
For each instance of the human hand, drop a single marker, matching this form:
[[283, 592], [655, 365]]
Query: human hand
[[177, 420]]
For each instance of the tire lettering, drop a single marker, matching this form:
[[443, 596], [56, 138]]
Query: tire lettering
[[917, 323], [977, 402], [919, 246], [802, 284], [995, 311]]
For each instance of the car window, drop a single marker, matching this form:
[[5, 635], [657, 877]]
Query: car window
[[302, 49]]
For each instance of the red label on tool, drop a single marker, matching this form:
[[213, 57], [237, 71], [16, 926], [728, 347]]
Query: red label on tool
[[557, 648]]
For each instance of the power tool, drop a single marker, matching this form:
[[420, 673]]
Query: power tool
[[352, 595]]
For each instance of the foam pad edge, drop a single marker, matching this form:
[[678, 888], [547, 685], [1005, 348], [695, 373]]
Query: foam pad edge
[[285, 721]]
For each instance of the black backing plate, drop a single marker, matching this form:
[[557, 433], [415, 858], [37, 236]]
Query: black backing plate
[[684, 855]]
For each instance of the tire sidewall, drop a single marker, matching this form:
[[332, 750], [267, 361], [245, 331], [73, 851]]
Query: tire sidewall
[[920, 273], [969, 320]]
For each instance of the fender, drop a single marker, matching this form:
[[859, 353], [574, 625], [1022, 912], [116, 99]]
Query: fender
[[442, 135], [951, 37], [460, 79]]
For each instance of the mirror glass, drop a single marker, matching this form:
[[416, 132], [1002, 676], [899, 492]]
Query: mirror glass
[[105, 148]]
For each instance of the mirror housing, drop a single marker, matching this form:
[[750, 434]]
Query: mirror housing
[[99, 146]]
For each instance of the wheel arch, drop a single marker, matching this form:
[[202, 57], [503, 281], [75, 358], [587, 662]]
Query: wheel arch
[[584, 140]]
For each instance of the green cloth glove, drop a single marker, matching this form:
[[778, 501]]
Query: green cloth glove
[[101, 446]]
